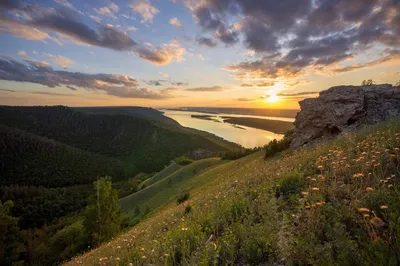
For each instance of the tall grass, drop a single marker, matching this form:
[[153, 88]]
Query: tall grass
[[337, 204]]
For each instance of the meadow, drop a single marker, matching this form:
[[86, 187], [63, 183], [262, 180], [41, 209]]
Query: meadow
[[335, 204]]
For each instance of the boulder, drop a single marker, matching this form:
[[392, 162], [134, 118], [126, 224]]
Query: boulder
[[343, 108]]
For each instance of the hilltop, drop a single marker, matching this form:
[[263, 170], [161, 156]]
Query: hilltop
[[332, 204]]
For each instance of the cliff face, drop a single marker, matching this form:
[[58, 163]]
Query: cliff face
[[342, 109]]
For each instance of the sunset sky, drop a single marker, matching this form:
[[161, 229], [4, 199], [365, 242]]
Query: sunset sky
[[172, 53]]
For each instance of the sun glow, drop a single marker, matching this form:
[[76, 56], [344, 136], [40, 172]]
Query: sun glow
[[273, 98]]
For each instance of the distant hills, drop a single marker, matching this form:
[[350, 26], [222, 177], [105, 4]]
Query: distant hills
[[142, 138]]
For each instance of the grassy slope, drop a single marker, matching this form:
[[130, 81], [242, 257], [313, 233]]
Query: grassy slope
[[300, 208], [169, 187], [160, 175]]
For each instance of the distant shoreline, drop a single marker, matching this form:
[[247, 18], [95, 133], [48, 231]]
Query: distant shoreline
[[284, 113], [275, 126]]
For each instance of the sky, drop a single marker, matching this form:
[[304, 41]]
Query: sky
[[175, 53]]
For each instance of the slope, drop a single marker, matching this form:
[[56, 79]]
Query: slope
[[168, 188], [336, 204], [30, 160], [173, 167], [139, 142]]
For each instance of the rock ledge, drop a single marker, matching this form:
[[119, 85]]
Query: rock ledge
[[342, 109]]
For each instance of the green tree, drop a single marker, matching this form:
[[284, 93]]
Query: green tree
[[103, 213], [11, 240]]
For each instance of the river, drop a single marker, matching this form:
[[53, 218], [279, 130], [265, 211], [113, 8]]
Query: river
[[246, 136]]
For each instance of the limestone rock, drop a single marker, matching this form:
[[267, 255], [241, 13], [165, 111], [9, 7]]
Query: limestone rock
[[344, 108]]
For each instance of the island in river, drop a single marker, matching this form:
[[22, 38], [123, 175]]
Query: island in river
[[276, 126], [206, 117]]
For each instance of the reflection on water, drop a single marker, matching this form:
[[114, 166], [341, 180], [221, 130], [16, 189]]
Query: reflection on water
[[246, 136]]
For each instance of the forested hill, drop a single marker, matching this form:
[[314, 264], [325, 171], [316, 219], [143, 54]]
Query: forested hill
[[140, 112], [146, 144]]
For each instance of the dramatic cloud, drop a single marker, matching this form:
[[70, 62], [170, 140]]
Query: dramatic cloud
[[145, 9], [41, 73], [209, 42], [288, 37], [109, 10], [207, 89], [66, 23], [165, 54], [176, 23]]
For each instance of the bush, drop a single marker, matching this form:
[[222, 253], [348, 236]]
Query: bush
[[183, 160], [276, 146], [182, 198], [188, 209], [237, 154]]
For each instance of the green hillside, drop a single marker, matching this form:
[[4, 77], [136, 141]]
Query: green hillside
[[168, 188], [173, 167], [30, 160], [335, 204], [147, 145]]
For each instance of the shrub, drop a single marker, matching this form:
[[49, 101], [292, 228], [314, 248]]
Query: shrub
[[276, 146], [182, 198], [183, 160], [188, 209]]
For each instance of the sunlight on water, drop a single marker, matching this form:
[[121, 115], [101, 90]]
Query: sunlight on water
[[247, 137]]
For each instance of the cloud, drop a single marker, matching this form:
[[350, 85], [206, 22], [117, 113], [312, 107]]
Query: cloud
[[207, 89], [60, 60], [283, 94], [392, 56], [50, 93], [163, 82], [145, 9], [22, 53], [165, 54], [109, 10], [175, 22], [131, 28], [41, 73], [209, 42], [40, 20], [95, 18], [261, 84], [6, 90], [67, 4], [289, 37], [246, 99]]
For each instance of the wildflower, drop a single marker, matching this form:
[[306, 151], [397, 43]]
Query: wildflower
[[215, 246], [117, 259], [320, 203], [308, 177], [320, 167], [369, 189], [307, 207], [363, 210], [304, 193], [144, 257], [366, 215], [118, 246], [142, 249], [388, 178], [313, 179], [377, 222], [313, 206], [383, 207], [130, 264], [364, 153], [389, 186], [358, 175], [315, 189]]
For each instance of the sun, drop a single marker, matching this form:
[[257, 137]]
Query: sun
[[273, 98]]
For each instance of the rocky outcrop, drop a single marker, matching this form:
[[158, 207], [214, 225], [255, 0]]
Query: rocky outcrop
[[344, 108]]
